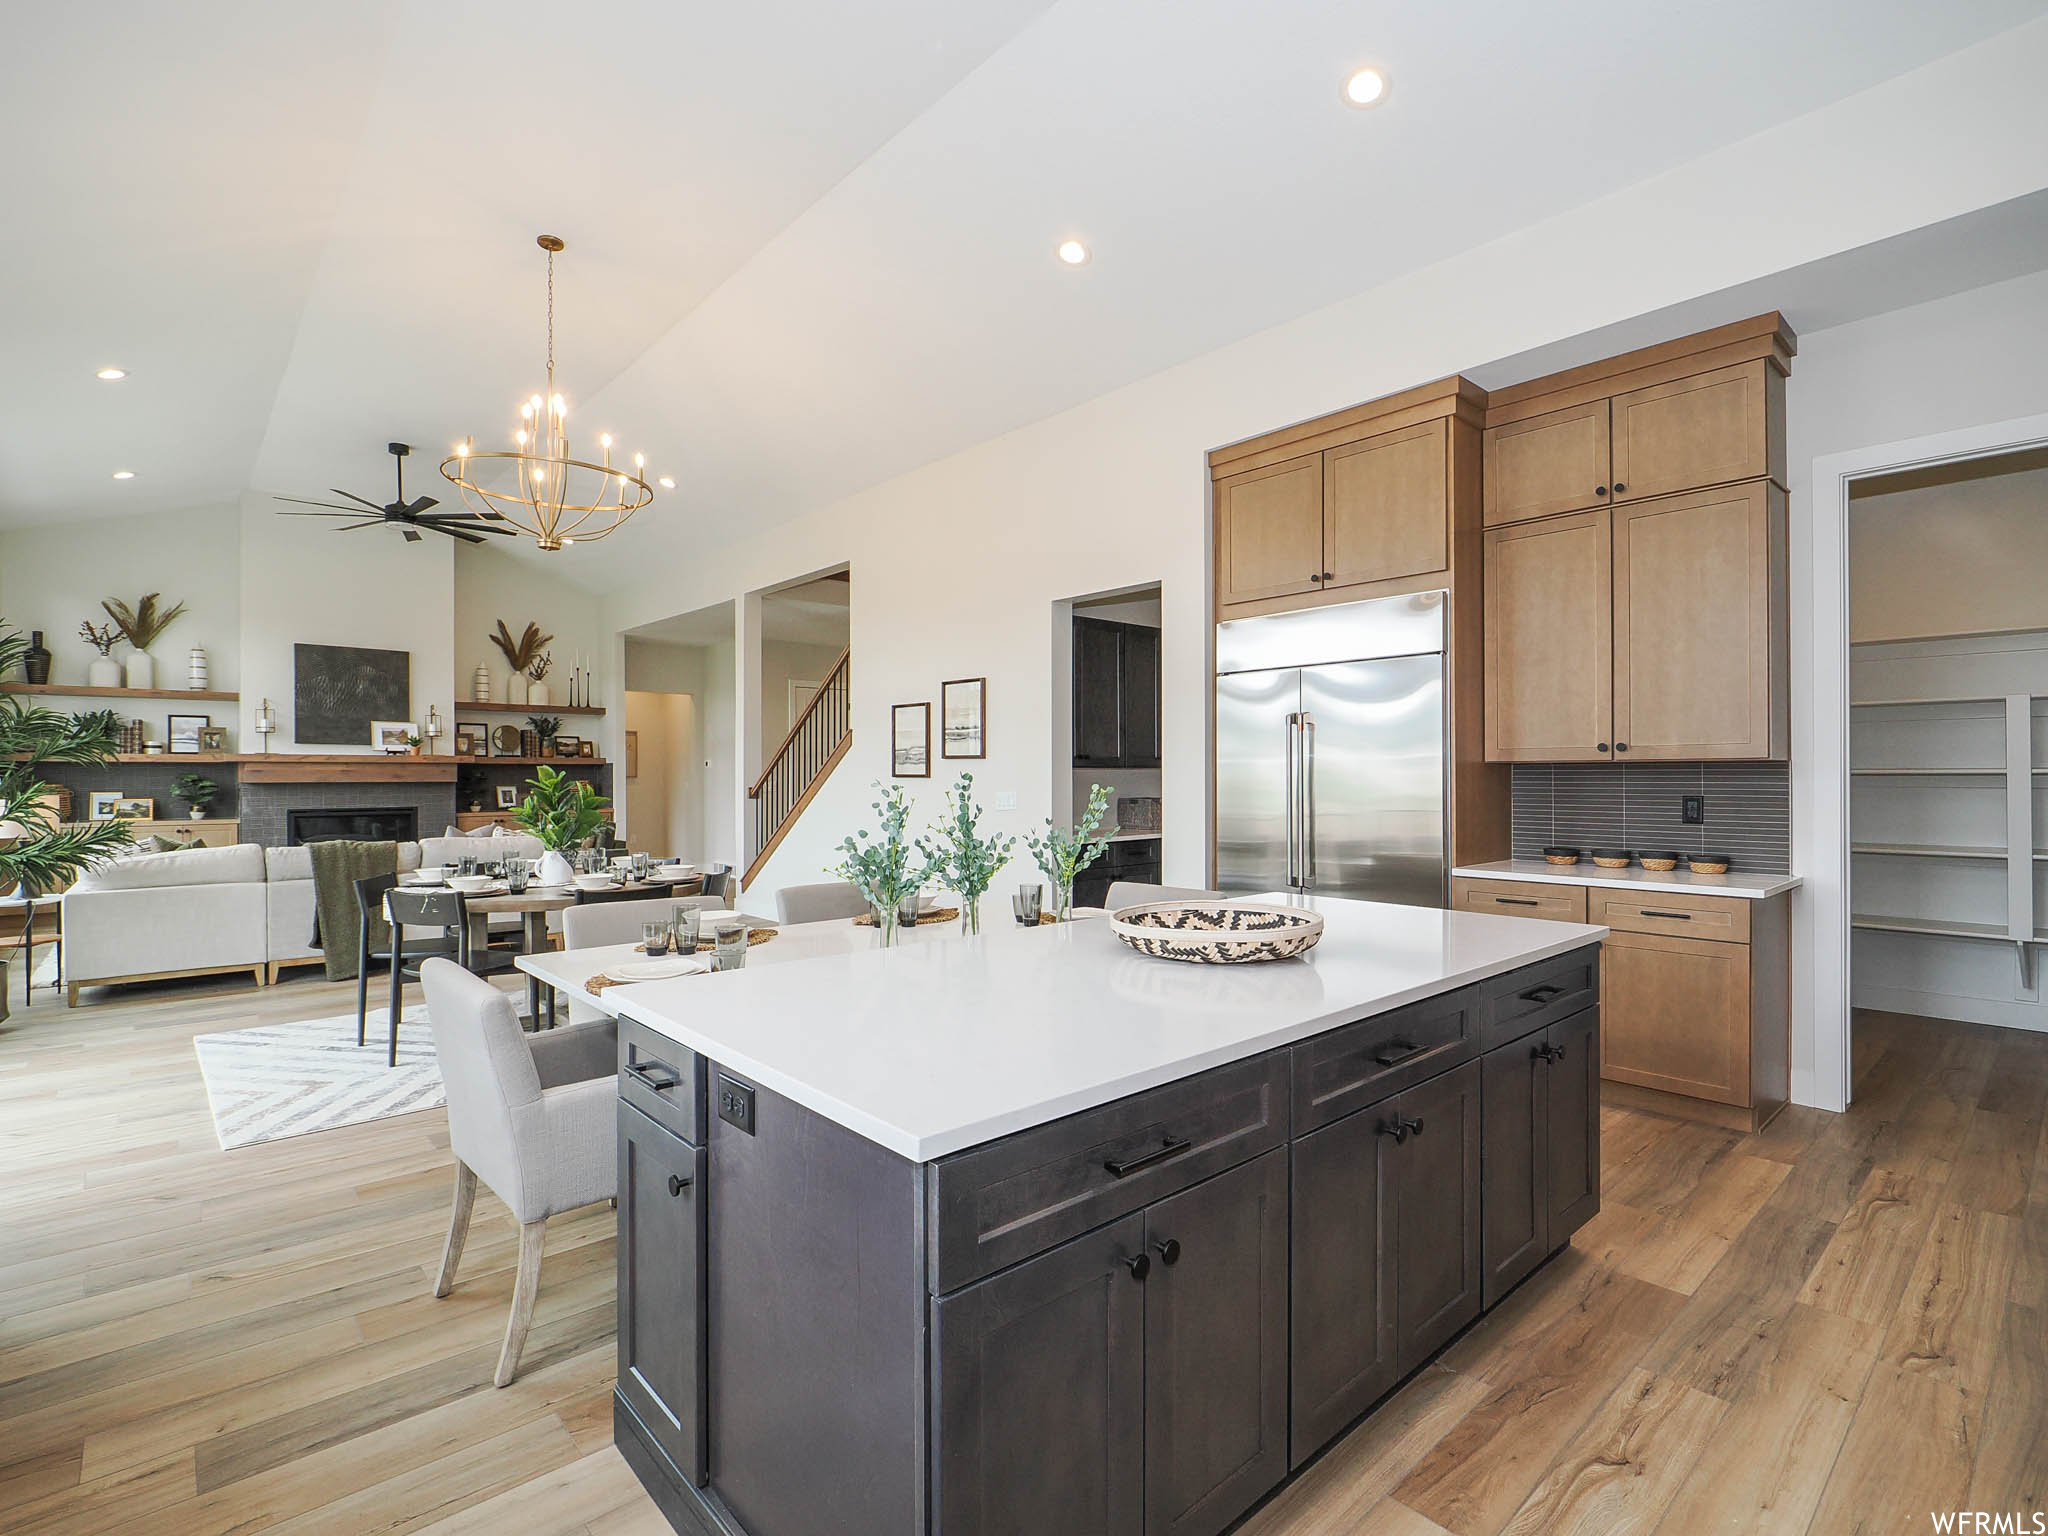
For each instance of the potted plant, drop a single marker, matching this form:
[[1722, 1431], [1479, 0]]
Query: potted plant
[[885, 869], [536, 671], [197, 791], [546, 728], [562, 812], [1064, 852], [519, 655], [141, 625], [105, 672], [964, 860]]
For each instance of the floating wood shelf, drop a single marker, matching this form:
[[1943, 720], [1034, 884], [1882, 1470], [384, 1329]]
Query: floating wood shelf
[[66, 691], [531, 709], [529, 762], [358, 768]]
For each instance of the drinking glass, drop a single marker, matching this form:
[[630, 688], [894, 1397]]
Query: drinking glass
[[1028, 903], [906, 911], [655, 936], [641, 864], [683, 922], [516, 872], [731, 952]]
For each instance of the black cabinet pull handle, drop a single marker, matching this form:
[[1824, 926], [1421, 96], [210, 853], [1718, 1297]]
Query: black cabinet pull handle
[[1329, 575], [1395, 1051], [1312, 576], [1170, 1148], [1540, 995], [1621, 746], [1398, 1129], [1169, 1251], [1620, 486], [1140, 1267], [1600, 747], [1517, 901], [1557, 1053], [1599, 490], [1415, 1126], [677, 1184], [1680, 917], [1548, 1052], [645, 1074]]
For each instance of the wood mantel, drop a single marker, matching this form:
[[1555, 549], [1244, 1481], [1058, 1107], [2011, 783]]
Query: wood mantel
[[356, 768]]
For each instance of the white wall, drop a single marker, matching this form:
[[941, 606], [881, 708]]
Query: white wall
[[1958, 552], [491, 585], [782, 660], [645, 797], [684, 692]]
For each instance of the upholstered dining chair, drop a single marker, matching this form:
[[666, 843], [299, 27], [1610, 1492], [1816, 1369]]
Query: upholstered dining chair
[[819, 903], [535, 1117], [718, 881], [1131, 893], [591, 924]]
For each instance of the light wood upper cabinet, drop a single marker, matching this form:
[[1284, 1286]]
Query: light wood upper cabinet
[[1269, 531], [1704, 430], [1556, 462], [1699, 654], [1549, 640], [1385, 504]]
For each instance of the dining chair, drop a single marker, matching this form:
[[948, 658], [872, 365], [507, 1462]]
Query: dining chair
[[718, 881], [820, 903], [1132, 893], [535, 1117], [620, 922], [370, 895], [446, 912]]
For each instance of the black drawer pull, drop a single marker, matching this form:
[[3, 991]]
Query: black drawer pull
[[1396, 1051], [645, 1074], [1517, 901], [1540, 995], [1159, 1154], [677, 1184], [1677, 917], [1169, 1251], [1396, 1128], [1548, 1052], [1140, 1267]]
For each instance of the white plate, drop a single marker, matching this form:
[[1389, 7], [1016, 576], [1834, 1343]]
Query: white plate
[[418, 877], [656, 970]]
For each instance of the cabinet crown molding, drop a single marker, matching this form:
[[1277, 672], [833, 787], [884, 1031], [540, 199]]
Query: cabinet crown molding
[[1767, 336], [1455, 396]]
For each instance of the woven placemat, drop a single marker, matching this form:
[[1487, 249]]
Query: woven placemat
[[924, 919], [705, 946]]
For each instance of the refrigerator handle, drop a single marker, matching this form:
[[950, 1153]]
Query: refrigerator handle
[[1308, 800], [1293, 875]]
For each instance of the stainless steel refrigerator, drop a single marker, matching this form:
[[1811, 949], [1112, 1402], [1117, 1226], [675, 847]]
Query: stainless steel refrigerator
[[1330, 751]]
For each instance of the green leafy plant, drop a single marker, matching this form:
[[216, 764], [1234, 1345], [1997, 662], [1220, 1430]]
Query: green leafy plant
[[964, 861], [1062, 853], [195, 789], [144, 622], [561, 811], [103, 636], [519, 654], [39, 853], [887, 868], [546, 727]]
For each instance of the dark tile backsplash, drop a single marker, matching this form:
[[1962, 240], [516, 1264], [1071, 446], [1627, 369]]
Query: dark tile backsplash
[[1636, 805]]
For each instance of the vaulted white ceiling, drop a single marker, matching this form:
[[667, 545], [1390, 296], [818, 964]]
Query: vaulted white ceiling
[[810, 244]]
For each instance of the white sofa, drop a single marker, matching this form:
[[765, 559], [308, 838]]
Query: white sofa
[[202, 911]]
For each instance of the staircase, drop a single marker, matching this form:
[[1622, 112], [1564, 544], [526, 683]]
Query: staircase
[[808, 754]]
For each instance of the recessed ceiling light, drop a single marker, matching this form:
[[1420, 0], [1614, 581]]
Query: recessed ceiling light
[[111, 374], [1073, 253], [124, 474], [1365, 88], [666, 483]]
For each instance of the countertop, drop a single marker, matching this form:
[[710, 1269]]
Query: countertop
[[931, 1048], [1634, 878], [1132, 837]]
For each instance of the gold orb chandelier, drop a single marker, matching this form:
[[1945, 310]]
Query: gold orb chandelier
[[538, 485]]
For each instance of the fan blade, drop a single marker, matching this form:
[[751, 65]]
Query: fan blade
[[457, 533], [370, 522], [411, 535], [452, 524], [421, 505], [303, 502], [352, 496], [320, 514]]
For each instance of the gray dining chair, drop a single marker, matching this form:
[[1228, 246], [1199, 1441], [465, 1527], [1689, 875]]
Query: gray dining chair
[[819, 903], [1133, 893], [718, 881], [535, 1117], [590, 925]]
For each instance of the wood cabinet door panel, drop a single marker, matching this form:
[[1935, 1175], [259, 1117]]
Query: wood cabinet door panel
[[1705, 430], [1515, 1163], [1572, 1091], [1675, 1016], [661, 1287], [1519, 898], [1549, 640], [1386, 506], [1038, 1418], [1553, 463], [1215, 1349], [1435, 1252], [1269, 531], [1342, 1343], [1693, 668]]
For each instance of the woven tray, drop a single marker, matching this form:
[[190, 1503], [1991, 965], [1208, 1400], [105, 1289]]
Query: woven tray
[[1217, 933], [924, 919]]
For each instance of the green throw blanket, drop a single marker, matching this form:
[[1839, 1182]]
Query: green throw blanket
[[337, 921]]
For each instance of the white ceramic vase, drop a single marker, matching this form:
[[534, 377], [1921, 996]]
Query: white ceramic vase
[[515, 688], [105, 672], [141, 669], [196, 676], [537, 695], [480, 686], [553, 869]]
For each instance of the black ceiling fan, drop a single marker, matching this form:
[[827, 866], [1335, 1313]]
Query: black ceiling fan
[[409, 517]]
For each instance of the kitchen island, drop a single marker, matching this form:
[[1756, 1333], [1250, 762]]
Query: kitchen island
[[1029, 1233]]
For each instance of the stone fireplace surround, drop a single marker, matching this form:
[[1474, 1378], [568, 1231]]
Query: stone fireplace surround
[[262, 806]]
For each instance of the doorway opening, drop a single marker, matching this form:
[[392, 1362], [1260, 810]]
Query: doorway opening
[[1109, 732]]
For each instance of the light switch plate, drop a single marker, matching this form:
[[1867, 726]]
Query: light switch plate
[[1003, 800]]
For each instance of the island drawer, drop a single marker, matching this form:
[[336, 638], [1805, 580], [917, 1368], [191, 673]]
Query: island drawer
[[1536, 995], [1362, 1063], [1675, 914], [663, 1080], [997, 1204]]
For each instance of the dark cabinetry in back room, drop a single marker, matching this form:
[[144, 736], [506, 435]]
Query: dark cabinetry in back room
[[1116, 694]]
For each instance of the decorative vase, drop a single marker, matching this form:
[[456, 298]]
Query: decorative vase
[[35, 664], [104, 673], [515, 688], [198, 813], [553, 869], [141, 669], [195, 676], [1063, 901], [480, 685], [885, 923], [537, 695], [970, 914]]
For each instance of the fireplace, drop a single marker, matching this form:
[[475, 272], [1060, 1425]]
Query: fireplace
[[392, 824]]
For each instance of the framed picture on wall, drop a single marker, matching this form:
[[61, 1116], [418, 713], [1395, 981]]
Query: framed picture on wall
[[213, 738], [134, 808], [100, 804], [568, 746], [508, 797], [182, 731], [910, 736], [390, 736], [962, 704], [472, 739], [586, 747]]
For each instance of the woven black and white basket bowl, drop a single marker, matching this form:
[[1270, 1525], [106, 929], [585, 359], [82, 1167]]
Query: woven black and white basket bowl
[[1218, 933]]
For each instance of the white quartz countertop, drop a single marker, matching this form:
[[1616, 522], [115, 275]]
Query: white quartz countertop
[[933, 1047], [1634, 878]]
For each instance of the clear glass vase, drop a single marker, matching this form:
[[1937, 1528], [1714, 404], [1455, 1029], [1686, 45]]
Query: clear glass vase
[[885, 923], [1063, 901], [970, 914]]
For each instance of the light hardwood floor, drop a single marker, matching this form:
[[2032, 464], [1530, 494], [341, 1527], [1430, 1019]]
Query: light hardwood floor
[[1836, 1325]]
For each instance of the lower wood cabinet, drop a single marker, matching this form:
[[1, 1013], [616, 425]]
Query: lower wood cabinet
[[661, 1287], [1541, 1099]]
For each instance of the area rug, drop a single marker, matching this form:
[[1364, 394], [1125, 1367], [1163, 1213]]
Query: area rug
[[285, 1080]]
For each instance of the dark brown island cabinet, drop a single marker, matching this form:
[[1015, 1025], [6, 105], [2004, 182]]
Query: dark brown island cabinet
[[1138, 1320]]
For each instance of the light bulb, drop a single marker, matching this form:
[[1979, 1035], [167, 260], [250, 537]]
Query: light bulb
[[559, 408], [1073, 253], [666, 483], [526, 411], [519, 437], [111, 374], [639, 461], [606, 440], [124, 474], [1366, 88]]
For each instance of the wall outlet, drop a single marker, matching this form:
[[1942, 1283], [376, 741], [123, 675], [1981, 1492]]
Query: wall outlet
[[1692, 810], [1003, 800], [735, 1103]]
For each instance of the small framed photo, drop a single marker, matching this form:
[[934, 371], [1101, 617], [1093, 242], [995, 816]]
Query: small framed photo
[[182, 731], [585, 747], [962, 706], [567, 746], [100, 804], [213, 738], [391, 735], [134, 808], [910, 741], [472, 739], [508, 797]]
